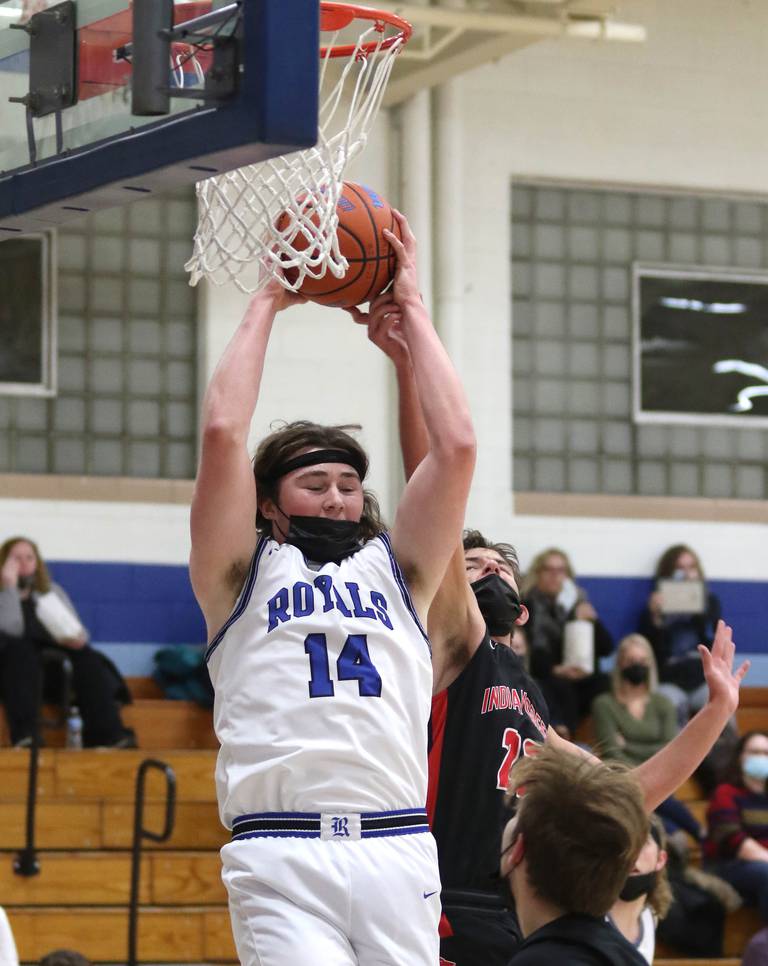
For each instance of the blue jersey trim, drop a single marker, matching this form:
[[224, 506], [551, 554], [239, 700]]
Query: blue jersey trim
[[381, 832], [397, 811], [400, 581], [308, 825], [252, 815], [275, 835], [370, 834], [245, 596]]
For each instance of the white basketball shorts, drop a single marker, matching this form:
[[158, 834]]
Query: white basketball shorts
[[335, 900]]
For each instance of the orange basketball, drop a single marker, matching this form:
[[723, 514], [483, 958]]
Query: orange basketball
[[363, 215]]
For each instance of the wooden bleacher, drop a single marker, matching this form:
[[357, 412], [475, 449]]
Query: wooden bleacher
[[157, 721], [84, 830], [85, 817]]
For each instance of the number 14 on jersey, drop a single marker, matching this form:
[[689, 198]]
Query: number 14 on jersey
[[353, 664]]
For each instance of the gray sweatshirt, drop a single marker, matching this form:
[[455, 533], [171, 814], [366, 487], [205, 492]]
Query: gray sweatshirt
[[11, 616]]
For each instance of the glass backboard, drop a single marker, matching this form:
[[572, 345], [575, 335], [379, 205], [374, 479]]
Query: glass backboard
[[99, 152]]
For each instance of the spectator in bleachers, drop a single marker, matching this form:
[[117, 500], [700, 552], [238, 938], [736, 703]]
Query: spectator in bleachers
[[633, 721], [646, 896], [737, 843], [36, 613], [554, 602], [676, 626]]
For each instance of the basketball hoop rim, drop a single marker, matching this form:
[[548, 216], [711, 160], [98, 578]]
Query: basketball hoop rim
[[334, 16]]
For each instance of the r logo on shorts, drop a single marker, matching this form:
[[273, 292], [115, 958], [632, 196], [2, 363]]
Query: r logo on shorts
[[343, 828]]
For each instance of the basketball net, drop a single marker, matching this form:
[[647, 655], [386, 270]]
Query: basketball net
[[250, 218]]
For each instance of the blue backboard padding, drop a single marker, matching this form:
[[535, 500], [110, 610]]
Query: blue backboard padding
[[620, 600], [276, 107], [154, 603]]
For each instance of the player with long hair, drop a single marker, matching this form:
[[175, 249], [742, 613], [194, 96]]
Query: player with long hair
[[318, 655]]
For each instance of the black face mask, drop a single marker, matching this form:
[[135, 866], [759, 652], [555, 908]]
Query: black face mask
[[498, 603], [638, 885], [636, 673], [324, 540]]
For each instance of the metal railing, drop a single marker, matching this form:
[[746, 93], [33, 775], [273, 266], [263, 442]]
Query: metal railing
[[26, 862], [140, 833]]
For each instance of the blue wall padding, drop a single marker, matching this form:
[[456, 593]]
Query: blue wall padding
[[620, 600], [137, 603], [154, 603]]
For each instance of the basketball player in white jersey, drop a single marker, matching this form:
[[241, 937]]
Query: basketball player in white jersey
[[316, 650]]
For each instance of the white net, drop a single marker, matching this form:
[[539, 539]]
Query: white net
[[278, 219]]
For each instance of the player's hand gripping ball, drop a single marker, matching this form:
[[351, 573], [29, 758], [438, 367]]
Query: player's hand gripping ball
[[363, 215]]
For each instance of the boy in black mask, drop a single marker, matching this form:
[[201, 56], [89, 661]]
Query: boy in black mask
[[646, 896], [487, 712]]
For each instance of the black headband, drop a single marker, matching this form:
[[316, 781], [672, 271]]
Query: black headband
[[319, 456]]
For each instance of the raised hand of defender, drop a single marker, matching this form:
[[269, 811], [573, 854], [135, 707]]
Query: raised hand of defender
[[406, 285], [723, 682], [384, 327]]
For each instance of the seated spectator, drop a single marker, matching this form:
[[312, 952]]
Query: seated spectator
[[633, 721], [566, 855], [553, 601], [646, 896], [737, 842], [36, 613], [675, 634]]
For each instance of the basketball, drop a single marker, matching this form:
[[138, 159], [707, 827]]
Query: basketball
[[363, 216]]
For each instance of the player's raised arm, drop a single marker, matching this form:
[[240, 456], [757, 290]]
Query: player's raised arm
[[663, 774], [224, 501], [430, 514], [455, 624]]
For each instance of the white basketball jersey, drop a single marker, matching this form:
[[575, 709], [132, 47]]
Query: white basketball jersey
[[323, 685]]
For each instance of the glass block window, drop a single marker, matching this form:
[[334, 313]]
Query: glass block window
[[27, 315], [127, 348], [572, 256]]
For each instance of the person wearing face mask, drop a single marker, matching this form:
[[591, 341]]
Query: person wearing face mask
[[35, 614], [554, 601], [487, 711], [736, 847], [646, 895], [632, 722], [577, 832], [317, 653], [675, 636]]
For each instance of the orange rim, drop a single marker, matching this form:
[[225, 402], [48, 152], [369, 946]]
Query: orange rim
[[336, 16]]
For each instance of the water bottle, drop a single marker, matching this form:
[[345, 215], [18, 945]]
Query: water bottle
[[74, 729]]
